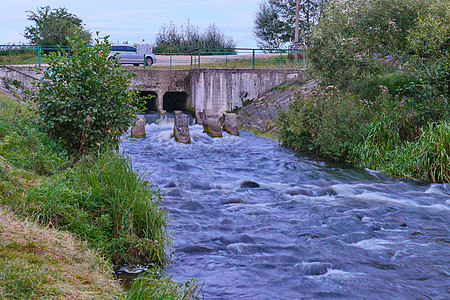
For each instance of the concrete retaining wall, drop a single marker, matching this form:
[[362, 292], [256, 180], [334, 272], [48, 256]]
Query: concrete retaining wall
[[216, 90]]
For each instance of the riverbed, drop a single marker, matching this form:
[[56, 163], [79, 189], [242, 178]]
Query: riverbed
[[253, 220]]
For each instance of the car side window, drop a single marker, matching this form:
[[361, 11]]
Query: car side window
[[130, 49]]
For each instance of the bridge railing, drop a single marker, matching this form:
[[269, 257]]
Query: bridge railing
[[233, 58], [198, 58], [27, 54]]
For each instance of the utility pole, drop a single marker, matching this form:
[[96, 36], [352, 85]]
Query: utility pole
[[297, 21]]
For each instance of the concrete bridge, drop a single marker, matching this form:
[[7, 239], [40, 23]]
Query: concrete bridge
[[194, 90]]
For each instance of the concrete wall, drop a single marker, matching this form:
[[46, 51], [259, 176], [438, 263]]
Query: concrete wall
[[223, 90], [25, 75], [162, 81], [218, 90]]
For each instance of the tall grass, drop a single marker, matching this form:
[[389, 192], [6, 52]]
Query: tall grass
[[433, 152], [23, 144], [428, 158], [104, 201], [152, 286]]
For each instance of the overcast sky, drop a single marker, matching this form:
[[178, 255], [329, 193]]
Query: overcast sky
[[135, 20]]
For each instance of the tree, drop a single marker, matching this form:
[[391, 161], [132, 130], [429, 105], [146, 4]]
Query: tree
[[53, 26], [275, 20], [355, 37], [83, 99]]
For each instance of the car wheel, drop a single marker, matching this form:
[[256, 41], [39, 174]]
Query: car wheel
[[113, 61], [148, 61]]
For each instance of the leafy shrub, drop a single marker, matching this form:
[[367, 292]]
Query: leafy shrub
[[105, 202], [84, 100], [331, 122]]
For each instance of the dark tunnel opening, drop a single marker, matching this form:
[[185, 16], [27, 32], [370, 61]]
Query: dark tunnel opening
[[151, 104], [174, 101]]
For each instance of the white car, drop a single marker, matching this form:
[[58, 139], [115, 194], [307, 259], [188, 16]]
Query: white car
[[133, 55]]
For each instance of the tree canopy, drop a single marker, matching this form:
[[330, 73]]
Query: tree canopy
[[274, 22], [53, 26]]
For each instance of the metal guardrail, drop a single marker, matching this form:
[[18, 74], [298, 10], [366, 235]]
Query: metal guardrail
[[234, 58], [198, 58], [27, 54]]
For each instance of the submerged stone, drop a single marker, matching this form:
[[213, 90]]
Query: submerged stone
[[250, 184]]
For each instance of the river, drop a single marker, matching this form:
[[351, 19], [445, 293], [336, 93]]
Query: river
[[253, 220]]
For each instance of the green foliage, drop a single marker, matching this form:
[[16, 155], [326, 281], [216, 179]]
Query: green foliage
[[104, 201], [187, 38], [356, 38], [53, 26], [84, 100], [428, 158], [22, 144], [150, 285], [433, 152], [330, 123]]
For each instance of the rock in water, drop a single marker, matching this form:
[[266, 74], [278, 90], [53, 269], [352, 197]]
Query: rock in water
[[230, 124], [250, 184], [181, 128], [138, 130], [212, 126]]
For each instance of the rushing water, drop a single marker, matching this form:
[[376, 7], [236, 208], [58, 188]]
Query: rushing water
[[252, 220]]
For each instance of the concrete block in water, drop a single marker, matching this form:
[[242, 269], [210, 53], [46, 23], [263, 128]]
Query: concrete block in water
[[212, 126], [181, 128], [200, 117], [230, 124], [138, 130]]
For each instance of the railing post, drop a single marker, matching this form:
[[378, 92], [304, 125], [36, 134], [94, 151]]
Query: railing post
[[191, 60], [199, 58], [253, 58], [39, 55], [170, 53], [9, 51], [144, 62]]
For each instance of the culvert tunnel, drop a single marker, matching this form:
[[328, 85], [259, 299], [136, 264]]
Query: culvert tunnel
[[173, 101], [151, 104]]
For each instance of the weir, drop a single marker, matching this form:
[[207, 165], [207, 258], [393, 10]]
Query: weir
[[195, 90]]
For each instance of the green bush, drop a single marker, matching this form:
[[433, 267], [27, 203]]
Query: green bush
[[84, 100], [104, 201], [331, 123]]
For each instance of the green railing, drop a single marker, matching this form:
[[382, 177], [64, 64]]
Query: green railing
[[27, 54], [233, 58], [198, 58]]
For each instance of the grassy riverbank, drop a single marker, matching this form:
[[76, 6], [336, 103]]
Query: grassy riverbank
[[384, 97], [82, 217]]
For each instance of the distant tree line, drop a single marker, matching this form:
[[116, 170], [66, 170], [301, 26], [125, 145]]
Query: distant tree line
[[187, 38]]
